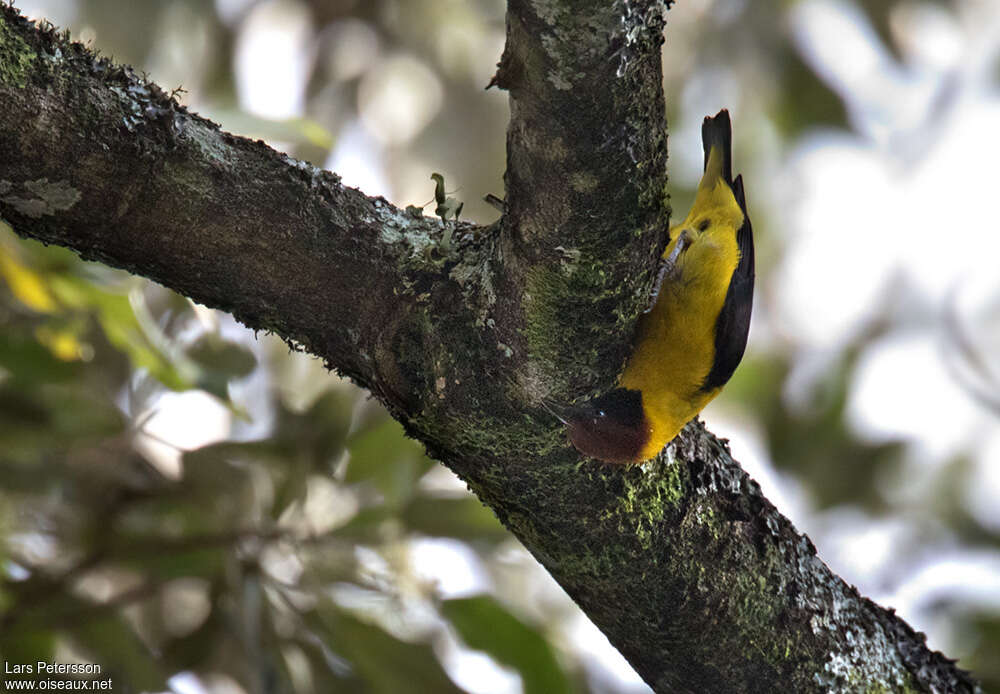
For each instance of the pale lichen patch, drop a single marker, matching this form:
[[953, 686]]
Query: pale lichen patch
[[639, 22], [560, 81], [211, 144], [583, 181], [548, 11], [868, 658], [573, 41], [46, 198], [395, 227]]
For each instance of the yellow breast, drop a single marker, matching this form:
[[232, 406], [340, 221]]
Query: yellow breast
[[675, 344]]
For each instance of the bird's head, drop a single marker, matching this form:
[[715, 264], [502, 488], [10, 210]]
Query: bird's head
[[612, 428]]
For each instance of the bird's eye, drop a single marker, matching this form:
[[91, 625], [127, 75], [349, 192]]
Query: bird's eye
[[704, 224]]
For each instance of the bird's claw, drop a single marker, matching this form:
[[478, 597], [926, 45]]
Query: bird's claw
[[668, 266]]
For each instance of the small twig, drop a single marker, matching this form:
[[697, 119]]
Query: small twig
[[497, 202]]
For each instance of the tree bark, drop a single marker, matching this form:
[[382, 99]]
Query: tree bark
[[465, 332]]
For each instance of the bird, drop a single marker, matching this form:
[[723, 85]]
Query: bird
[[694, 333]]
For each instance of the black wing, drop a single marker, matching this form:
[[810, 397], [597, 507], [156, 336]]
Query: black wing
[[733, 324]]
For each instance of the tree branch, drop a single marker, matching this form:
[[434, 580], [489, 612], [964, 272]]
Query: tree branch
[[464, 331]]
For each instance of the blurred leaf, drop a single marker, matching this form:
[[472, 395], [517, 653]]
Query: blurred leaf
[[24, 478], [296, 130], [165, 560], [486, 625], [229, 358], [213, 464], [293, 487], [320, 432], [63, 344], [313, 132], [221, 474], [366, 525], [99, 630], [221, 359], [465, 519], [333, 561], [386, 664], [192, 510], [109, 640], [40, 418], [99, 471], [122, 328], [384, 456], [759, 376], [984, 660], [171, 312], [28, 646], [299, 444], [805, 101], [27, 285], [327, 422], [216, 493], [30, 361]]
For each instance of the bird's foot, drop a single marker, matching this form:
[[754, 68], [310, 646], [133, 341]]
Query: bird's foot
[[668, 266]]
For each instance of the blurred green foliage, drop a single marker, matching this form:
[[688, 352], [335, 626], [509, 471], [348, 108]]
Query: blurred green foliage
[[112, 556], [486, 625]]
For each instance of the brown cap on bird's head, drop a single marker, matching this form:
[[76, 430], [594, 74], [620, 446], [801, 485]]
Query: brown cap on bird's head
[[611, 428]]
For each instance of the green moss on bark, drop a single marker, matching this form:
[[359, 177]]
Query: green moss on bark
[[652, 498], [16, 58]]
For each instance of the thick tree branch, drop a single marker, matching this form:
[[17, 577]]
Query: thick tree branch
[[463, 332]]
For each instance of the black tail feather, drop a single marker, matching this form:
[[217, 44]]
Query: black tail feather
[[718, 132]]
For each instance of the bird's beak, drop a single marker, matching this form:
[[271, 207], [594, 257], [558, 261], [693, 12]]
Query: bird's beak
[[559, 412]]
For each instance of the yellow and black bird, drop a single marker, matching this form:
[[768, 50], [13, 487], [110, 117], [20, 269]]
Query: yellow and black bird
[[691, 340]]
